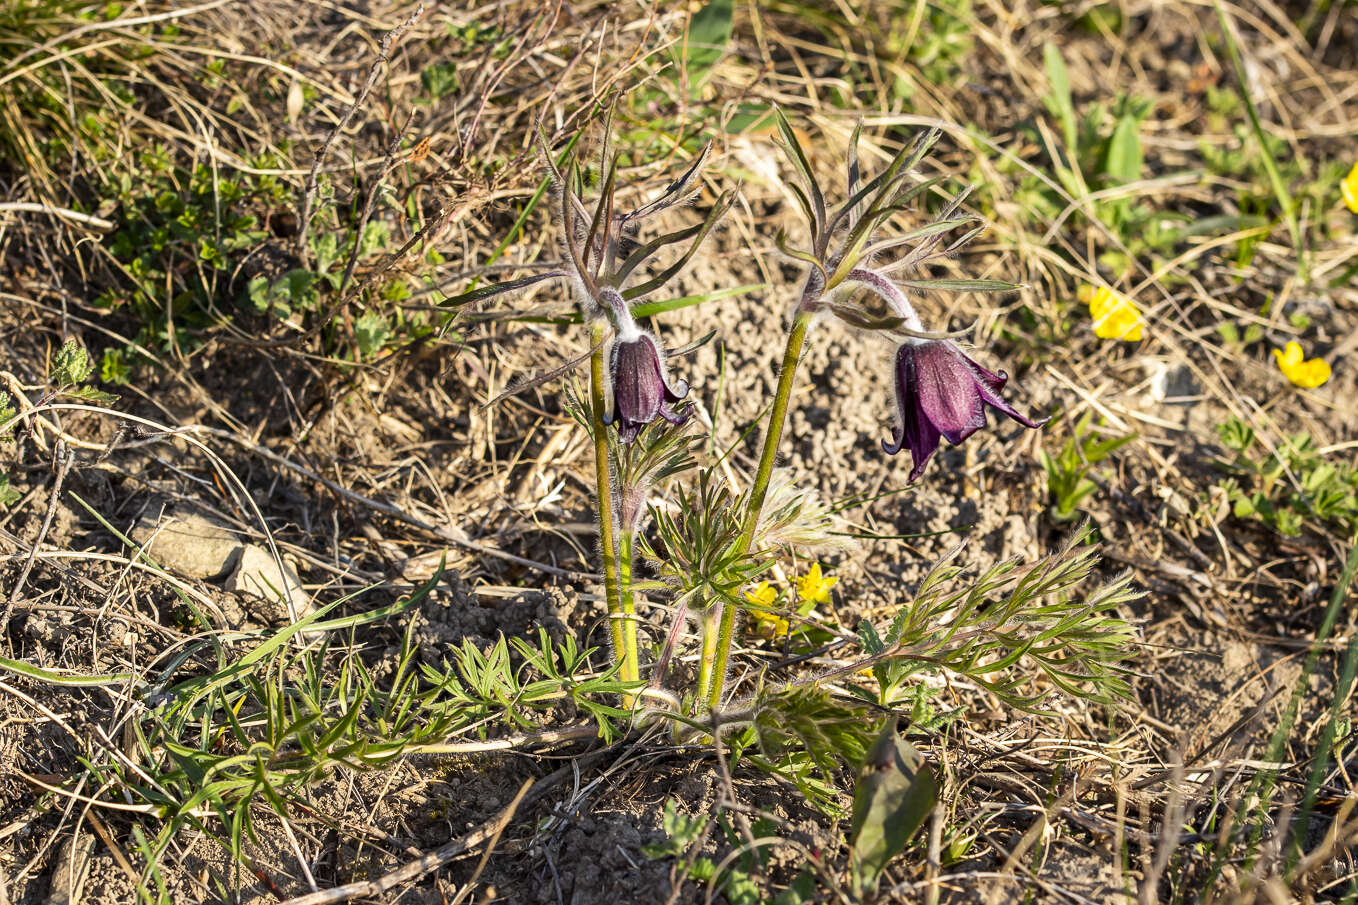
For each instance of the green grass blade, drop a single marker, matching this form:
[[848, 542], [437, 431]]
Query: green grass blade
[[1325, 748], [48, 677], [1275, 177]]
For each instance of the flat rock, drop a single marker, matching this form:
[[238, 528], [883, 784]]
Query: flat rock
[[195, 545], [188, 543]]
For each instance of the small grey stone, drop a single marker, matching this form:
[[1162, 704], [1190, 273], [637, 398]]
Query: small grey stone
[[258, 573]]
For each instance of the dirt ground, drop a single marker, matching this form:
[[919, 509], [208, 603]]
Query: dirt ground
[[366, 476]]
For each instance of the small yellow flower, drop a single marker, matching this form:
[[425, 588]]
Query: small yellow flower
[[764, 622], [814, 587], [769, 625], [1348, 186], [1307, 374], [1115, 316], [762, 596]]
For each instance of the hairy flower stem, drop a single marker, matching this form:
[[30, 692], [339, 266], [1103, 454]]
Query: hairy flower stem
[[626, 560], [707, 686], [714, 668], [621, 629]]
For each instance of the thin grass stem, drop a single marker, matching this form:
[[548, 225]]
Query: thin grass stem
[[1258, 798], [1275, 178]]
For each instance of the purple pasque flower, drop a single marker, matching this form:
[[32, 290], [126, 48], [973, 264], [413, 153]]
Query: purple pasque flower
[[941, 392], [641, 390]]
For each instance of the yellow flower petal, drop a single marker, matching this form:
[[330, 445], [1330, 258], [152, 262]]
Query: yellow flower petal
[[1115, 316], [1305, 374], [815, 587], [1289, 356], [764, 595], [1348, 187], [768, 624]]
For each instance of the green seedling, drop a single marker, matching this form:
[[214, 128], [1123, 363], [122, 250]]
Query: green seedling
[[1293, 486], [1068, 481]]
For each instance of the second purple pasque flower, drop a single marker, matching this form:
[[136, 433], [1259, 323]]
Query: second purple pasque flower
[[942, 392]]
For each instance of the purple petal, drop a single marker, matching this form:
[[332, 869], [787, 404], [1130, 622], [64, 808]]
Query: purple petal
[[672, 416], [989, 379], [989, 385], [949, 391], [676, 392], [913, 427], [637, 384], [641, 392], [994, 401]]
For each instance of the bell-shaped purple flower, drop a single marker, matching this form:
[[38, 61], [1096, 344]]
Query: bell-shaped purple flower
[[940, 392], [641, 390]]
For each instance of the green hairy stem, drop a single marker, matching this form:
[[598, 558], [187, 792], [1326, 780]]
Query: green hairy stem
[[626, 559], [717, 649], [622, 629]]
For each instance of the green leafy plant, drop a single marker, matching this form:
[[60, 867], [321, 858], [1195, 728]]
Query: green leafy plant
[[181, 236], [1267, 157], [263, 724], [681, 832], [1091, 157], [1000, 630], [934, 37], [67, 378], [1289, 486], [70, 371], [1252, 159], [684, 836], [709, 31], [60, 119], [1068, 481], [8, 495], [709, 538]]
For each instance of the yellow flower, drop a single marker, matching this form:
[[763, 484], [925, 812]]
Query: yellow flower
[[1115, 316], [1348, 186], [762, 596], [765, 623], [1307, 374], [814, 587]]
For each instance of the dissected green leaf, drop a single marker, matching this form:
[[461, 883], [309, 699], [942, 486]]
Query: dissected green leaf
[[681, 831]]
